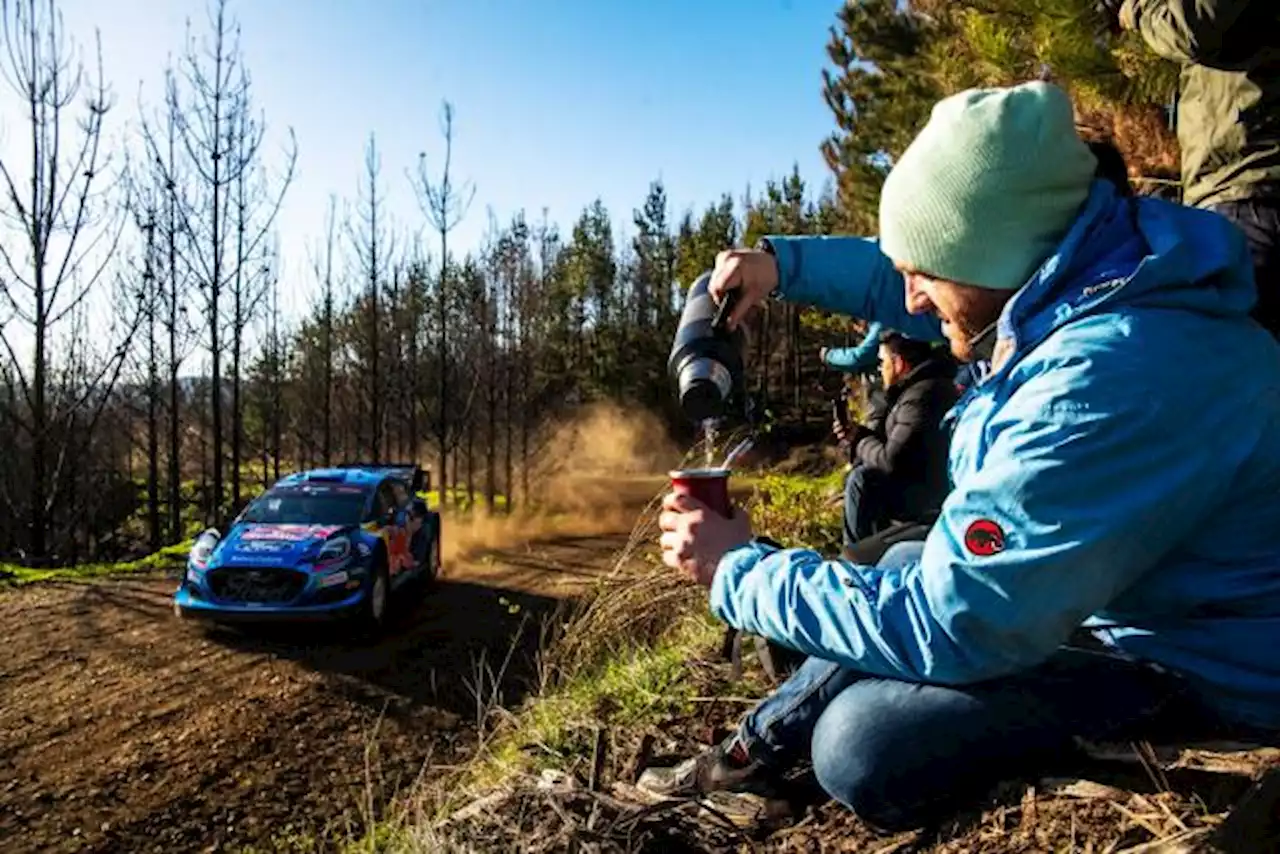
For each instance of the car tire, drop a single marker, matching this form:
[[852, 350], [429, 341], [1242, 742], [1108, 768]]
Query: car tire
[[372, 617], [426, 579], [433, 559]]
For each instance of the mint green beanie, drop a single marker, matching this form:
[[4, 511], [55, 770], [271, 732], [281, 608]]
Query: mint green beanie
[[989, 187]]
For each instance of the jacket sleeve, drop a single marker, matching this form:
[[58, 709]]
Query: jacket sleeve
[[1185, 30], [848, 275], [911, 421], [1075, 500], [879, 411], [862, 357]]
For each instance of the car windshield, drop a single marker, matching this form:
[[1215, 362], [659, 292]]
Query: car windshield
[[293, 506]]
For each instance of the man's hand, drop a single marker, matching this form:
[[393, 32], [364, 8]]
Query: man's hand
[[753, 272], [839, 430], [695, 537], [855, 434], [822, 355]]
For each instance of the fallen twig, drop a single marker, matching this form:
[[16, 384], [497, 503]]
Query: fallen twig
[[598, 753]]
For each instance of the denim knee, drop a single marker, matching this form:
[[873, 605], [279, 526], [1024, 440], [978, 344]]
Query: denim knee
[[858, 753]]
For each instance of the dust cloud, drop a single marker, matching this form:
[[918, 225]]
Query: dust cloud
[[597, 472]]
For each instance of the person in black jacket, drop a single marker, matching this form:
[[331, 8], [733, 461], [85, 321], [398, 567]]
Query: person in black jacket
[[900, 456]]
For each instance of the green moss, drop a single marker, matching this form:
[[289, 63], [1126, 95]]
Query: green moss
[[460, 500], [166, 558]]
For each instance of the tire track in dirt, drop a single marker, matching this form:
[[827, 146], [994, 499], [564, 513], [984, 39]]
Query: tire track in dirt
[[123, 729]]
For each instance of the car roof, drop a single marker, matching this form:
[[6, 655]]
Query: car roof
[[367, 478]]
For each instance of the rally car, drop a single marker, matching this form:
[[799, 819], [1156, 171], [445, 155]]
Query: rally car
[[341, 542]]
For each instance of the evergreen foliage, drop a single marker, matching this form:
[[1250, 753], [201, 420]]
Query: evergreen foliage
[[893, 60]]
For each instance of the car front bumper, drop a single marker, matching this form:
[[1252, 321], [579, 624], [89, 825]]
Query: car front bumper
[[190, 601]]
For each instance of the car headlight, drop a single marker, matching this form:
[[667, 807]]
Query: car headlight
[[202, 549], [337, 549]]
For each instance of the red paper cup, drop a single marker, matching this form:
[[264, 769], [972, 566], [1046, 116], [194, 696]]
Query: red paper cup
[[710, 486]]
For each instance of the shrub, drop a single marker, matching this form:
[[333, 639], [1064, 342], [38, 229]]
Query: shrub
[[800, 510]]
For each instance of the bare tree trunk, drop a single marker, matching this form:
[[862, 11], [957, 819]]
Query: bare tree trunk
[[490, 345], [443, 433], [175, 359], [415, 290], [237, 340], [444, 205], [222, 144], [471, 469], [65, 232], [797, 374], [277, 382], [213, 513], [153, 390], [455, 480], [327, 338], [510, 353], [8, 458], [372, 247]]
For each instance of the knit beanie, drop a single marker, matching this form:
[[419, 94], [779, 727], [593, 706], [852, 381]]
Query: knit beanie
[[990, 186]]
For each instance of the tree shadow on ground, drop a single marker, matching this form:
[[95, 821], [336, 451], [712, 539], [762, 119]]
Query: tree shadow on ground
[[463, 648]]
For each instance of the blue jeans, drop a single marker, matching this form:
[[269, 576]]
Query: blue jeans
[[868, 503], [904, 754]]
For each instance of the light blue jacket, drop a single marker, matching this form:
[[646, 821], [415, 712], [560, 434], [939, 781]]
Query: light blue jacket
[[860, 358], [1120, 470]]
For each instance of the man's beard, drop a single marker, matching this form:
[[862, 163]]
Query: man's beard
[[982, 346]]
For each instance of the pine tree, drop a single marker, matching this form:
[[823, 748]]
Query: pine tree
[[880, 93], [892, 61], [1122, 91]]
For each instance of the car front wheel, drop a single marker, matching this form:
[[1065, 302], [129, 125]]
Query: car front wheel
[[373, 611]]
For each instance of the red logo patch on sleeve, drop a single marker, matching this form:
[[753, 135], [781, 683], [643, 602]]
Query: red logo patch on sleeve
[[984, 538]]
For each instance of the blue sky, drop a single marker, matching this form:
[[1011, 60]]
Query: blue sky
[[557, 101]]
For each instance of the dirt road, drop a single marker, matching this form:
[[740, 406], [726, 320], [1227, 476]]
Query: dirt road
[[122, 729]]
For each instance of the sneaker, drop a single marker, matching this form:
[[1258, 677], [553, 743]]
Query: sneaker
[[727, 767]]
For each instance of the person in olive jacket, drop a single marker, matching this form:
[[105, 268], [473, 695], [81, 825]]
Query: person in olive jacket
[[900, 456], [1228, 115]]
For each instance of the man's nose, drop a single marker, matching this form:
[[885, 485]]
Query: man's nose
[[918, 301]]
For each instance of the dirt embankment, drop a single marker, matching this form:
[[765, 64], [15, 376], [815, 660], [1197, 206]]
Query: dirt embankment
[[122, 729]]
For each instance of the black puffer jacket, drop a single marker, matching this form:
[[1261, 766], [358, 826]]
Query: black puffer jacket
[[906, 439]]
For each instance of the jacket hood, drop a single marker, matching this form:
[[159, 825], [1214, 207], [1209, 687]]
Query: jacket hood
[[937, 366], [1134, 252]]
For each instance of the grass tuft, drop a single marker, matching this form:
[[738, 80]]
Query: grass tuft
[[167, 558]]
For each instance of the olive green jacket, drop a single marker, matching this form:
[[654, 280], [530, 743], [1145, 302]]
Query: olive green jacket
[[1229, 105]]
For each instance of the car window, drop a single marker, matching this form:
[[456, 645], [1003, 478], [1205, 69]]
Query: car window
[[377, 505], [384, 500], [305, 506]]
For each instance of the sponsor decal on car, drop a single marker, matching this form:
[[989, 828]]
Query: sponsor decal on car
[[289, 533], [261, 546]]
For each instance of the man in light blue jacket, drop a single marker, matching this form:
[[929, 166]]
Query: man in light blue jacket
[[861, 358], [1107, 564]]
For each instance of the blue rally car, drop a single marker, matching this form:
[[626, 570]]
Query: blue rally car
[[329, 543]]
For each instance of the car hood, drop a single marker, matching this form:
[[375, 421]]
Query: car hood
[[272, 544]]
